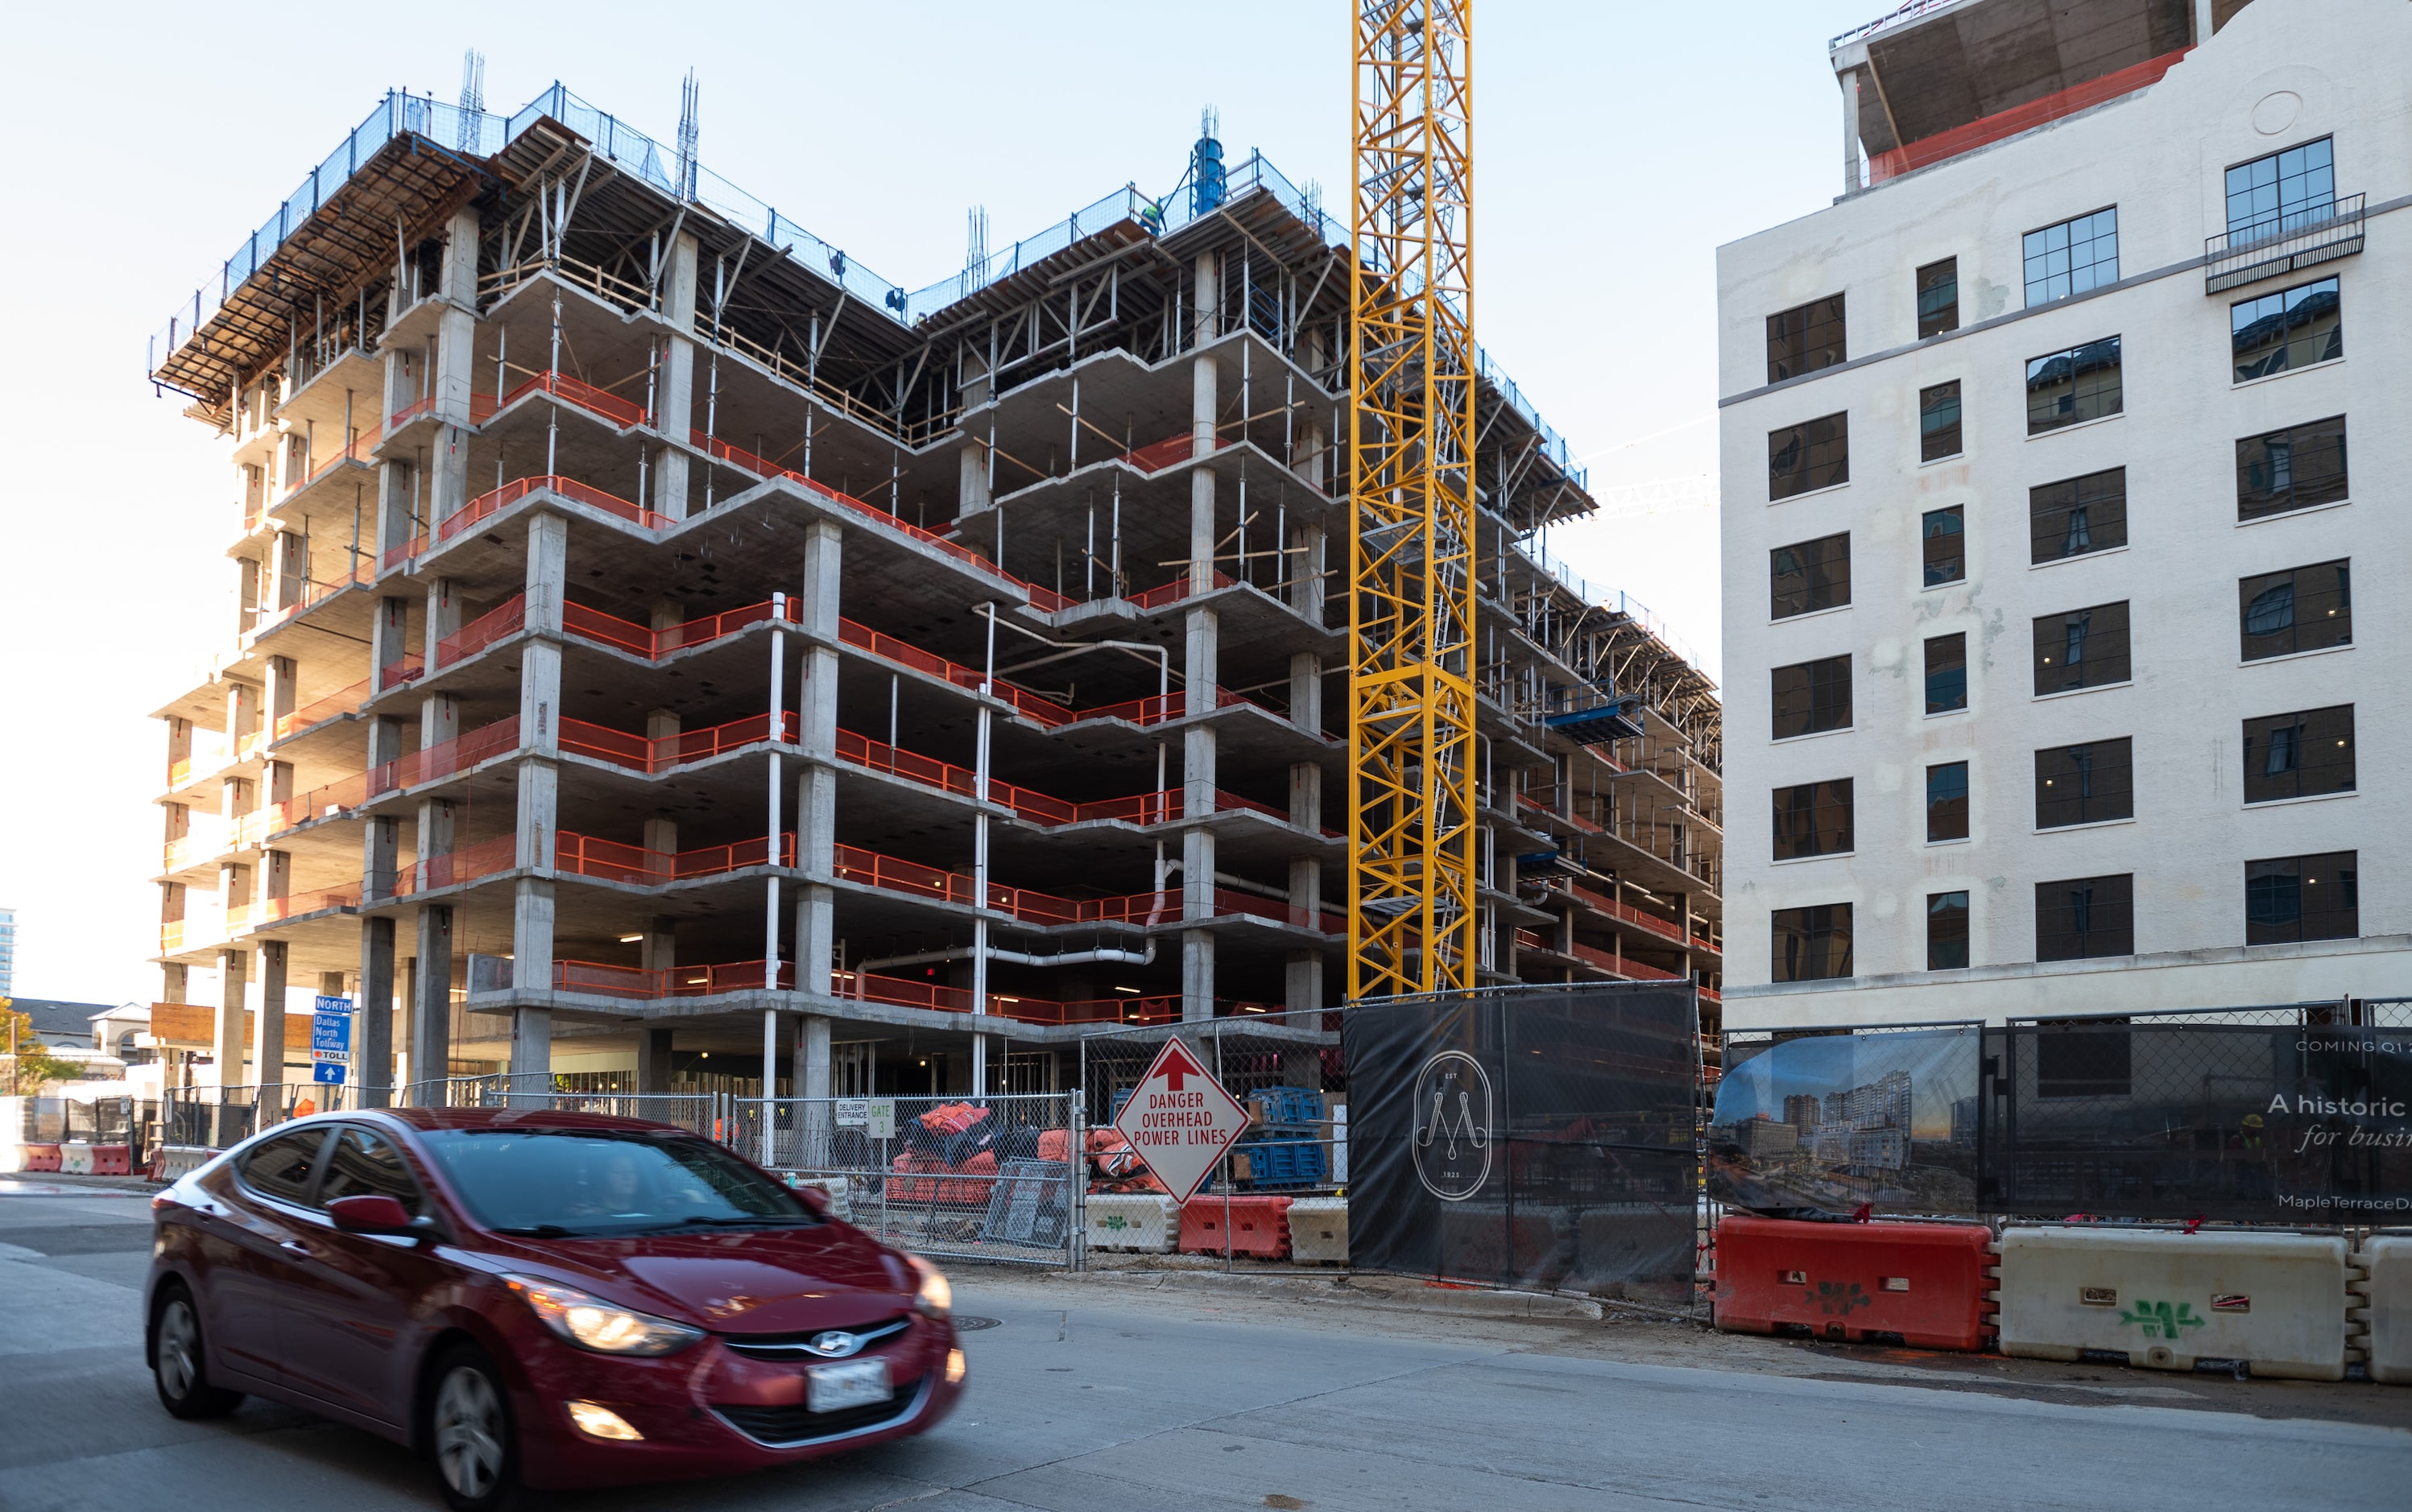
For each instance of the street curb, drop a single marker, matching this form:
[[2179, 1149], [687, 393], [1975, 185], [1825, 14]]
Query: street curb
[[1412, 1296]]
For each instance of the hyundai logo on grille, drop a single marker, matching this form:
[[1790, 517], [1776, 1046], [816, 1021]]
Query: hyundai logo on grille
[[833, 1343]]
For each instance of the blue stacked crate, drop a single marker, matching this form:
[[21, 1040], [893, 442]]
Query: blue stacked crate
[[1287, 1148]]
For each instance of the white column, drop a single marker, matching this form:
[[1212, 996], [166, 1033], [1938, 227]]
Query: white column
[[674, 396]]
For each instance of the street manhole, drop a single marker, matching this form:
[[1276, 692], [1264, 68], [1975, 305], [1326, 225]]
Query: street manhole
[[973, 1325]]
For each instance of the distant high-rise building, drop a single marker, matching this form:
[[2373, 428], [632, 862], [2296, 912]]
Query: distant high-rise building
[[7, 951], [1800, 1112]]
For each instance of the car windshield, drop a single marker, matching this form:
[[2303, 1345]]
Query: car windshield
[[569, 1182]]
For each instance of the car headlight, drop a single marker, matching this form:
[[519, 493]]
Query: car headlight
[[591, 1323], [934, 1297]]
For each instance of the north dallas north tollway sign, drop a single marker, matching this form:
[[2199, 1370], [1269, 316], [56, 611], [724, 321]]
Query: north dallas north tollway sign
[[1179, 1120]]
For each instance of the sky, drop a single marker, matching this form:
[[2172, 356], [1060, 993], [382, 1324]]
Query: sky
[[1615, 147]]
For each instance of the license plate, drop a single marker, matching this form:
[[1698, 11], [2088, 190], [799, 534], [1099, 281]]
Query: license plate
[[856, 1383]]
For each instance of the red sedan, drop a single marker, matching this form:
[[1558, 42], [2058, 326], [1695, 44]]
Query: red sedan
[[540, 1298]]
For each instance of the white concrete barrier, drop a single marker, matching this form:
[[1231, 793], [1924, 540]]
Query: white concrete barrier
[[178, 1161], [1148, 1225], [2165, 1299], [2387, 1295], [833, 1187], [75, 1158], [1318, 1230]]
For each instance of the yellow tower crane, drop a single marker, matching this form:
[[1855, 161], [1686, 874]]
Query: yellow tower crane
[[1411, 916]]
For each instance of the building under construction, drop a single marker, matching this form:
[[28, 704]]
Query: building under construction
[[664, 643]]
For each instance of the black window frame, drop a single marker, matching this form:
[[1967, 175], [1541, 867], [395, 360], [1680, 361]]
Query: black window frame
[[1952, 567], [1938, 298], [302, 1199], [1818, 935], [2089, 398], [2303, 752], [1946, 674], [1808, 338], [2087, 918], [1955, 919], [2278, 913], [414, 1194], [2323, 615], [1797, 453], [1813, 819], [1815, 564], [1814, 688], [2316, 203], [2275, 316], [2087, 230], [2106, 650], [1939, 438], [2271, 481], [2091, 781], [1945, 806], [2076, 517]]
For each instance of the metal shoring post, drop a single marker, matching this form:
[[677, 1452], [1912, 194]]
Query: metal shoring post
[[1089, 555], [1114, 569], [1076, 1166], [552, 373], [777, 729], [895, 681], [979, 870], [712, 421], [1075, 426]]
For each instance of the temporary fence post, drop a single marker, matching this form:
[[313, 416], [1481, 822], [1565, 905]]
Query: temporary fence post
[[1226, 1174], [1075, 1175]]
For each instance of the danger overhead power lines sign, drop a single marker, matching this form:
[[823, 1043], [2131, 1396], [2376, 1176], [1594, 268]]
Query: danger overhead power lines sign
[[1179, 1120]]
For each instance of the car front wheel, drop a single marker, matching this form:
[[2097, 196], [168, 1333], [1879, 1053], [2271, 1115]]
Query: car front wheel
[[469, 1426], [179, 1365]]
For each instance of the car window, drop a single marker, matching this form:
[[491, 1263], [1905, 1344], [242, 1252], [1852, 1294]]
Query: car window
[[365, 1164], [566, 1182], [280, 1168]]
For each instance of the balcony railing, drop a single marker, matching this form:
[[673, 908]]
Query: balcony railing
[[2283, 244], [507, 619]]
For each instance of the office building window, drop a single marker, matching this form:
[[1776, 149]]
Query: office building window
[[2292, 898], [1810, 944], [2290, 469], [1939, 533], [2083, 648], [2292, 329], [1815, 454], [2072, 257], [1947, 931], [2072, 387], [1813, 819], [1947, 673], [2078, 515], [2085, 783], [1947, 801], [2282, 192], [1809, 574], [2085, 917], [1938, 298], [1804, 339], [2302, 755], [1812, 696], [1938, 421], [2301, 609]]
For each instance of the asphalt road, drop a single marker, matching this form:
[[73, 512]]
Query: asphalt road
[[1104, 1393]]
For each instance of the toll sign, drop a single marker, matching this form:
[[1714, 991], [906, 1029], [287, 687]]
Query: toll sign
[[1180, 1120]]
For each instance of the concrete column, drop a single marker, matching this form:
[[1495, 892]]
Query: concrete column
[[658, 949], [437, 828], [276, 785], [1306, 691], [431, 998], [653, 1060], [1849, 78], [1196, 975], [371, 1069], [816, 607], [767, 1149], [226, 1044], [444, 616], [390, 645], [674, 392], [972, 492], [1204, 403], [531, 919], [291, 565], [394, 525], [812, 1087], [277, 880], [539, 802], [456, 340], [1304, 569], [331, 984], [242, 712], [531, 1057], [1302, 980], [277, 701], [268, 1041], [548, 569]]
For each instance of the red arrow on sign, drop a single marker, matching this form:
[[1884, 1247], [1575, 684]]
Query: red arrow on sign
[[1180, 1120], [1176, 1067]]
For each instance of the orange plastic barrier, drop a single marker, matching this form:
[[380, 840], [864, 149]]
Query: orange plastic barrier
[[112, 1159], [40, 1157], [1260, 1226], [1923, 1281]]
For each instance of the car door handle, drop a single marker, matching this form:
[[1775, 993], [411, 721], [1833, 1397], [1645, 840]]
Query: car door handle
[[294, 1247]]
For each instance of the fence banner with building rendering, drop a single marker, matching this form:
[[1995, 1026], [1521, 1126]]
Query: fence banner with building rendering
[[1532, 1137], [2287, 1116], [1833, 1123]]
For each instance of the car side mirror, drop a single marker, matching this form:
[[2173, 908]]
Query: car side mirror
[[371, 1212], [815, 1198]]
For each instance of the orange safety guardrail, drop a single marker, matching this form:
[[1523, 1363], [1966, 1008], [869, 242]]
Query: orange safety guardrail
[[356, 452], [1605, 960], [509, 618], [904, 653], [1665, 928], [1177, 590], [1173, 450], [454, 868], [1228, 901], [495, 500], [325, 801], [342, 701], [293, 905], [740, 458], [394, 556], [409, 670], [443, 759], [648, 754], [613, 860], [674, 981]]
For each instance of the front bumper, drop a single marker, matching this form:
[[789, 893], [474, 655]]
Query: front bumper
[[711, 1410]]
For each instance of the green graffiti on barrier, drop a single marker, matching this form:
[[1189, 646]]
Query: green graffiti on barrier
[[2159, 1320], [1835, 1297]]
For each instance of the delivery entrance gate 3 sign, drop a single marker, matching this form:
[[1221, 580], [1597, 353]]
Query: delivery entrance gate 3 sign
[[1179, 1120]]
